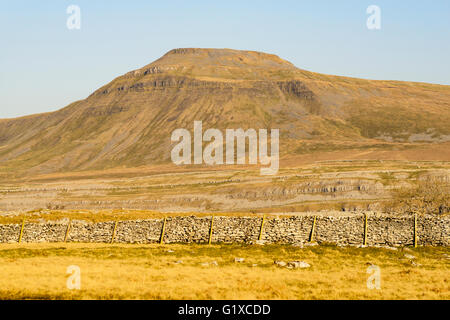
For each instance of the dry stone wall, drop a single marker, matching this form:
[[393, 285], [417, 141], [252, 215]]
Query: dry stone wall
[[348, 229], [142, 231]]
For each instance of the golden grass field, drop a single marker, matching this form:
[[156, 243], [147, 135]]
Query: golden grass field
[[39, 271]]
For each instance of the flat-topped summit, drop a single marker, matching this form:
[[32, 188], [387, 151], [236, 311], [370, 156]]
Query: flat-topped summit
[[228, 55], [221, 63]]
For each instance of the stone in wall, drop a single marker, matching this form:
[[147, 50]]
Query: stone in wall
[[390, 230], [236, 229], [433, 230], [346, 230], [140, 231], [44, 232], [187, 229], [9, 233], [81, 231], [288, 230]]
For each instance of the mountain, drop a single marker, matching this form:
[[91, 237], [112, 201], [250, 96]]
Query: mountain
[[128, 122]]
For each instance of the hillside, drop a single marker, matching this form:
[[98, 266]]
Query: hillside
[[128, 122]]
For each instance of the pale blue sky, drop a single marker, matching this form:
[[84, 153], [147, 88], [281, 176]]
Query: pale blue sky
[[44, 66]]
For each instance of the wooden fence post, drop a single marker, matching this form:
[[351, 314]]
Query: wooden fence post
[[211, 230], [313, 229], [262, 227], [114, 231], [415, 230], [163, 231], [67, 231], [21, 230], [365, 229]]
